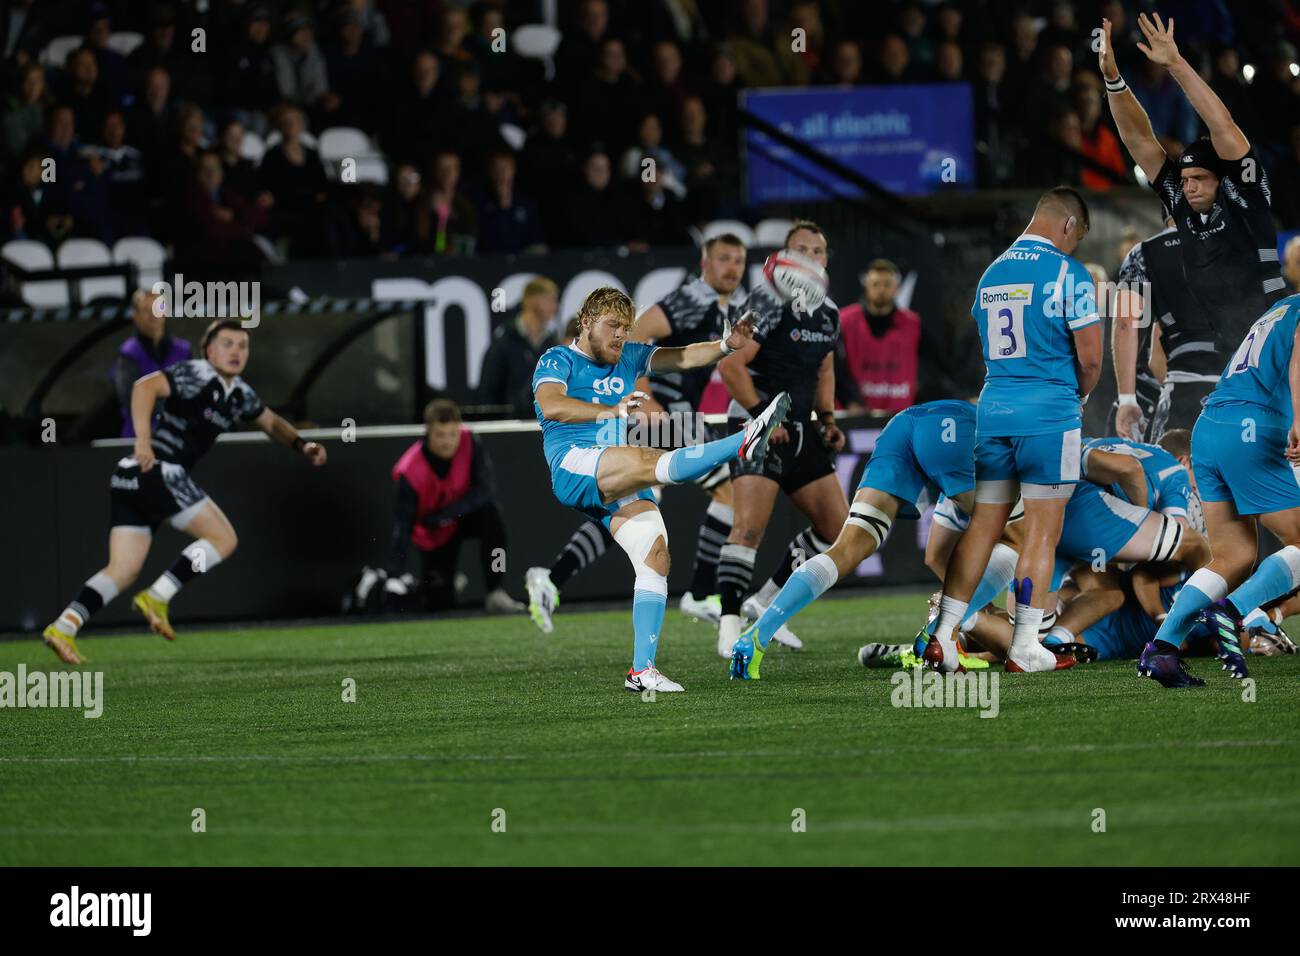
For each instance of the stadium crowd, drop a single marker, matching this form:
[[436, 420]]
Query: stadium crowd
[[485, 150]]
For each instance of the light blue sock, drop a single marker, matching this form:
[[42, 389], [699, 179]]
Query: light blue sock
[[1191, 601], [647, 624], [1274, 578], [696, 461], [810, 581], [1259, 618], [997, 576]]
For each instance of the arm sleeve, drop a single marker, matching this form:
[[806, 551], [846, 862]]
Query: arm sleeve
[[252, 405], [1168, 184], [553, 366], [405, 506]]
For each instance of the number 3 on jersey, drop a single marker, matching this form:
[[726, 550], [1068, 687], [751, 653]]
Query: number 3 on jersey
[[1247, 354], [1004, 312]]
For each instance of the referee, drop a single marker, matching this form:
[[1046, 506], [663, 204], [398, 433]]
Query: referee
[[1218, 194]]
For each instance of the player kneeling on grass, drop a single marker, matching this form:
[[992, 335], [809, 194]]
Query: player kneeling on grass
[[1245, 447], [583, 392], [202, 399], [925, 446]]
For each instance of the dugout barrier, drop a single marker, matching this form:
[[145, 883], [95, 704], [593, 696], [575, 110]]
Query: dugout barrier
[[306, 532]]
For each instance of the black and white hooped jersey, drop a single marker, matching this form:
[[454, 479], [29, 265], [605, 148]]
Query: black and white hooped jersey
[[694, 315], [1229, 255], [200, 407], [792, 346]]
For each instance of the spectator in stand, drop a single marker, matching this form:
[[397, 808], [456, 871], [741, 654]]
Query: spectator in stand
[[948, 62], [189, 74], [649, 146], [666, 88], [1173, 119], [424, 117], [500, 67], [1230, 86], [81, 88], [844, 65], [549, 158], [1022, 59], [882, 341], [506, 376], [579, 51], [911, 27], [994, 124], [710, 168], [757, 46], [594, 206], [447, 223], [25, 33], [652, 216], [239, 173], [150, 350], [217, 225], [1048, 96], [356, 75], [113, 71], [1096, 141], [80, 187], [33, 209], [368, 231], [445, 493], [801, 65], [292, 173], [301, 77], [23, 115], [1061, 164], [172, 169], [153, 116], [451, 47], [405, 202], [606, 103], [475, 116], [507, 221], [1274, 91], [120, 167], [374, 24], [248, 86], [895, 66], [949, 27], [1063, 30], [720, 96]]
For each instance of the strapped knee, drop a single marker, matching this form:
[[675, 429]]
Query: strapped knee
[[871, 520], [637, 536]]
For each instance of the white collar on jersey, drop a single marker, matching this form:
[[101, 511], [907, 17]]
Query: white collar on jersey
[[1034, 237], [225, 388], [574, 345]]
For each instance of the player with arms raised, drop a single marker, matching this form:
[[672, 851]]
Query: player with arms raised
[[1035, 308], [583, 392], [201, 399]]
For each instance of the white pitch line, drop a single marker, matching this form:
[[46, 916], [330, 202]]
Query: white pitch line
[[689, 754]]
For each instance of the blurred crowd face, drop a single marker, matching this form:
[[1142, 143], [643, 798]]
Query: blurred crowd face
[[446, 171], [149, 321], [209, 173], [408, 182], [948, 61], [542, 306], [1060, 64], [753, 13], [593, 18], [114, 130], [1069, 130], [595, 172], [100, 30], [1087, 102], [668, 63], [893, 55], [501, 172], [259, 31], [993, 64], [846, 64], [63, 127], [191, 128], [157, 87], [811, 245], [880, 288], [232, 138], [694, 118], [723, 69], [291, 124], [33, 87], [651, 132], [424, 73], [555, 123], [723, 266], [1026, 35], [613, 59], [84, 68]]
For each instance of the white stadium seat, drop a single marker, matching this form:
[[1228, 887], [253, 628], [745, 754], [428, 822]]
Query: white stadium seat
[[252, 147], [82, 253], [57, 50], [372, 169], [32, 255], [537, 41], [513, 136], [124, 42], [771, 232], [733, 226], [343, 142], [147, 254]]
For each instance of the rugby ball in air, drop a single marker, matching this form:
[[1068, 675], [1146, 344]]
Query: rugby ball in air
[[796, 279]]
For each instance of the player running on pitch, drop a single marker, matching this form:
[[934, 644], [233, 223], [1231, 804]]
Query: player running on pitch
[[583, 393], [1244, 449], [1035, 308], [201, 399]]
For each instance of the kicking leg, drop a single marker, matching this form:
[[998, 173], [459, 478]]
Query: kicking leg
[[638, 527]]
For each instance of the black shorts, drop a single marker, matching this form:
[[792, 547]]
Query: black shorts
[[1179, 406], [793, 464], [147, 499]]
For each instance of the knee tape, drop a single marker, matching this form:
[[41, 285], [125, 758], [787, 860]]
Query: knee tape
[[870, 519], [637, 536]]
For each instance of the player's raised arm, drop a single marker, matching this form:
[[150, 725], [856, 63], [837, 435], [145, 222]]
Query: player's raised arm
[[1130, 118], [1112, 468], [735, 338], [281, 431], [1229, 141], [1128, 305], [144, 395]]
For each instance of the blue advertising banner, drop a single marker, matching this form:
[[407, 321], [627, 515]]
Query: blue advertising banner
[[909, 139]]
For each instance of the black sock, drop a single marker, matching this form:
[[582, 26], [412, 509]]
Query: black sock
[[735, 569], [708, 548], [802, 546], [588, 543]]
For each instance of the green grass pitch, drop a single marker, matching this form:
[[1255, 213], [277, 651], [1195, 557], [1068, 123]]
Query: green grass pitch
[[457, 719]]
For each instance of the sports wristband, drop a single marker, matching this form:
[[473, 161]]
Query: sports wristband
[[1127, 398], [1116, 85], [299, 443], [726, 349]]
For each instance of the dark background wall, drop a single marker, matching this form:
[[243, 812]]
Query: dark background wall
[[306, 532]]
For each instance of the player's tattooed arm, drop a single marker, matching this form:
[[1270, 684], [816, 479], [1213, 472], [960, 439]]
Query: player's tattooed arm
[[1130, 118], [1112, 468], [281, 431], [1229, 141], [145, 393], [824, 401]]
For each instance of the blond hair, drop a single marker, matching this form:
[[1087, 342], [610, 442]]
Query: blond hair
[[606, 301]]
